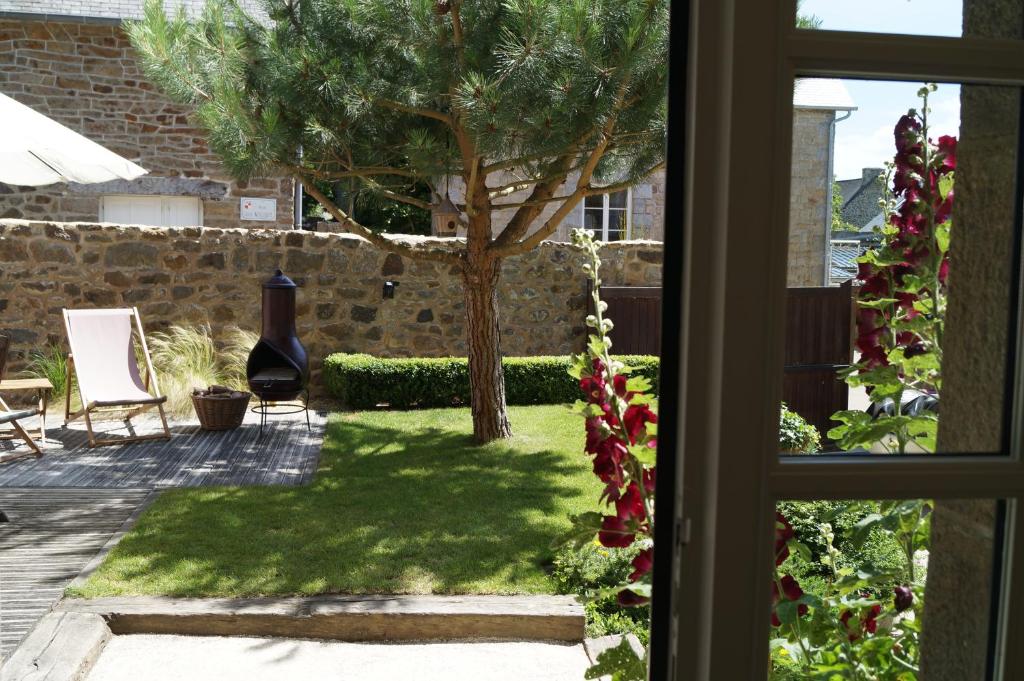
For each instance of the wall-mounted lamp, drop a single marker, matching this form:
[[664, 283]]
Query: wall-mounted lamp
[[389, 289]]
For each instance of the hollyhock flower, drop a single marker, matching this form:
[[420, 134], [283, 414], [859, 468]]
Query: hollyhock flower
[[908, 135], [903, 598], [865, 624], [791, 591], [620, 385], [630, 599], [947, 148], [945, 209], [615, 533], [608, 461], [630, 505], [636, 417], [593, 388], [642, 564], [944, 270], [649, 479], [594, 434], [783, 533]]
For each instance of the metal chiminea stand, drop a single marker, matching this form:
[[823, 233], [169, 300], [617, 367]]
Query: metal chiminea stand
[[278, 366]]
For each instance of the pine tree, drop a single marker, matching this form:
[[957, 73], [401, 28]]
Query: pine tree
[[558, 98]]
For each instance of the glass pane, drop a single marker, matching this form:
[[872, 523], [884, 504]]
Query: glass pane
[[951, 18], [616, 225], [883, 590], [618, 199], [899, 297], [594, 201], [592, 220]]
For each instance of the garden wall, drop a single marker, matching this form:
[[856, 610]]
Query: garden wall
[[190, 275]]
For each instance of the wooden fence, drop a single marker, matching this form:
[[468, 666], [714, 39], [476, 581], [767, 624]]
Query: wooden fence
[[819, 342]]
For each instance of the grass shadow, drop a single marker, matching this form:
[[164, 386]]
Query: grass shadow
[[403, 502]]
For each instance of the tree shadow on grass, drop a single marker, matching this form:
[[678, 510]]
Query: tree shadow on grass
[[392, 510]]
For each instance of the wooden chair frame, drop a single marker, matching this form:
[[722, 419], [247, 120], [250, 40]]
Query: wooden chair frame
[[90, 408], [19, 431]]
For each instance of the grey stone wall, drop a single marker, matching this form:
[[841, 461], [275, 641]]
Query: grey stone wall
[[86, 77], [195, 276]]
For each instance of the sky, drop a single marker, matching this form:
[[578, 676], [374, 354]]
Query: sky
[[865, 140]]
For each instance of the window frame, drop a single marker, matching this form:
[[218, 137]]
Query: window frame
[[742, 57], [606, 212]]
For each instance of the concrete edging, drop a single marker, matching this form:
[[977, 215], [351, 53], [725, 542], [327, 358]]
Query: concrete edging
[[63, 646], [346, 618]]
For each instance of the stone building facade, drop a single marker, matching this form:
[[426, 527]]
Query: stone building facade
[[81, 71], [193, 276], [645, 205]]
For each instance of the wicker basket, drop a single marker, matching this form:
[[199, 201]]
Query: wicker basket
[[220, 408]]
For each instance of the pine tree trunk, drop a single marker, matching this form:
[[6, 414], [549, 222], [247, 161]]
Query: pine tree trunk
[[486, 376]]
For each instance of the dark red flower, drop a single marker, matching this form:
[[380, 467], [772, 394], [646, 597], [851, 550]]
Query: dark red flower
[[783, 533], [593, 388], [636, 417], [630, 505], [947, 149], [615, 533], [903, 598], [630, 599], [642, 564], [791, 591], [650, 476], [620, 385]]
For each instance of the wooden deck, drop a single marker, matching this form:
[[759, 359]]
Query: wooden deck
[[66, 505], [52, 535], [286, 454]]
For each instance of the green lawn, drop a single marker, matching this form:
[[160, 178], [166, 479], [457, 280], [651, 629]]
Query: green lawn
[[402, 503]]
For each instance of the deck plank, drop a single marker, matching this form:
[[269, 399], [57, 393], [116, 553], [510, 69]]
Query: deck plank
[[53, 534]]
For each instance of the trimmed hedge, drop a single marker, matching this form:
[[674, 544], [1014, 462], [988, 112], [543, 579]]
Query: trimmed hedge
[[364, 381]]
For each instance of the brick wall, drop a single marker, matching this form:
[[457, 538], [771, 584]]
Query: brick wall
[[85, 76], [193, 276]]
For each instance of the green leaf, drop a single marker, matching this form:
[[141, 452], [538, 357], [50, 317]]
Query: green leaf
[[638, 384], [584, 528], [620, 663]]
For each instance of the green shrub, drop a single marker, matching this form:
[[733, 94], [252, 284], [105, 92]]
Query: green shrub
[[364, 381], [879, 553], [796, 435], [584, 571]]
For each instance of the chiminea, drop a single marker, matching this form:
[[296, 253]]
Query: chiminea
[[278, 367]]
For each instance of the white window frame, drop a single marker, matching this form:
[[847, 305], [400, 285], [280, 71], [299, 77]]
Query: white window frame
[[606, 212], [743, 57]]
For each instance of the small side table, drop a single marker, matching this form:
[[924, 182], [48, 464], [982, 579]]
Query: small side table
[[42, 388]]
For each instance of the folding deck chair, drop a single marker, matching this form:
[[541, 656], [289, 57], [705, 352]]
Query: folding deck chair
[[10, 416], [102, 358]]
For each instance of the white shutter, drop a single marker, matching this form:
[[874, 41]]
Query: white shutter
[[156, 211]]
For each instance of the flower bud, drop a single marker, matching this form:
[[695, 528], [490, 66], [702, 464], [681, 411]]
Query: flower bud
[[903, 598]]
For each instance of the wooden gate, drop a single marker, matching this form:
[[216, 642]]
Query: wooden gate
[[636, 312], [819, 342]]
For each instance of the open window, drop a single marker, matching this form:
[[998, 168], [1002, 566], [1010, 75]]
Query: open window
[[741, 609]]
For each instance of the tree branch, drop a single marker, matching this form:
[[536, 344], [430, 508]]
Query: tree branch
[[423, 252], [506, 244], [427, 113]]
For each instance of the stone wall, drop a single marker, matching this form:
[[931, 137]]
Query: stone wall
[[809, 206], [86, 77], [192, 276]]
